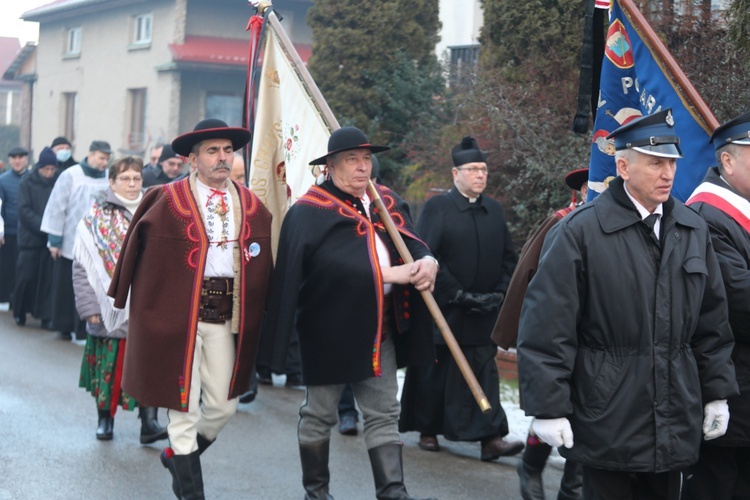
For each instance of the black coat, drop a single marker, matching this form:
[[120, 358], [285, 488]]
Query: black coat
[[33, 193], [732, 244], [475, 250], [328, 284], [626, 338], [155, 176]]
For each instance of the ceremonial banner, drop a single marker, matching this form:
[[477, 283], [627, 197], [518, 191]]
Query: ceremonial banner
[[635, 82], [288, 133]]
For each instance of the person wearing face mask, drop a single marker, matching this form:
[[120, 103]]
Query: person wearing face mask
[[31, 292], [64, 151], [97, 246], [71, 197]]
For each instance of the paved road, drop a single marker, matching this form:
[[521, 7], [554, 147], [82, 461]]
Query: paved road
[[48, 449]]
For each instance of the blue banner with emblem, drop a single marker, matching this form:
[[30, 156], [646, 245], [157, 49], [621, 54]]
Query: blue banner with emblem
[[634, 83]]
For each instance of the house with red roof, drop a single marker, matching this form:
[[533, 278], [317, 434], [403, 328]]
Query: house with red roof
[[137, 73]]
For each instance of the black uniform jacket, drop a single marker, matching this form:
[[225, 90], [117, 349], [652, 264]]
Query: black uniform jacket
[[732, 244], [626, 336]]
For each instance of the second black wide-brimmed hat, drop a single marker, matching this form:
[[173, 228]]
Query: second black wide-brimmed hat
[[575, 179], [210, 128], [344, 139]]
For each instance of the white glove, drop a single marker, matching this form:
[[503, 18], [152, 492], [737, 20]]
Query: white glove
[[715, 419], [553, 431]]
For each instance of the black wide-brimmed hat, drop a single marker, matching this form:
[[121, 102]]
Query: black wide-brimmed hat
[[210, 128], [347, 138], [575, 179]]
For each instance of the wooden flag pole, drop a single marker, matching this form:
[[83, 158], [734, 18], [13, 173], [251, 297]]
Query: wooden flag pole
[[427, 296], [429, 299], [662, 53]]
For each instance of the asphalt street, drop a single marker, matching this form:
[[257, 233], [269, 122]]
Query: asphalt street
[[48, 447]]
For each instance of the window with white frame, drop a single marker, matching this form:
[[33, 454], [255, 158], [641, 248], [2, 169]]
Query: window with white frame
[[142, 29], [73, 43]]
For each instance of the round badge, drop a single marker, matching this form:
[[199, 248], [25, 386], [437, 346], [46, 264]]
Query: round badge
[[254, 249]]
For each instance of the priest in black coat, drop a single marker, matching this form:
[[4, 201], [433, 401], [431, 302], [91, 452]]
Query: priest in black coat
[[467, 233]]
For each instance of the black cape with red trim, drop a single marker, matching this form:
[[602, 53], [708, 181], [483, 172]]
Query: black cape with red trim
[[328, 285]]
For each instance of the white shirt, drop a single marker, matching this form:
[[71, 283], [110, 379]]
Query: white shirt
[[220, 258], [659, 210]]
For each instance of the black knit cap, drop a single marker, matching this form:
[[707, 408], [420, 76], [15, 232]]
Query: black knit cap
[[211, 128], [467, 152], [60, 140], [345, 139]]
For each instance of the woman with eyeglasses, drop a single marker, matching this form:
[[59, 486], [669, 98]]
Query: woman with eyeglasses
[[99, 238]]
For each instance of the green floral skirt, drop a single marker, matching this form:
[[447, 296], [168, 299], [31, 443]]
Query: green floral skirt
[[100, 375]]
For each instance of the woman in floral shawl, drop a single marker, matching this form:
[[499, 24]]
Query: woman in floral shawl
[[98, 240]]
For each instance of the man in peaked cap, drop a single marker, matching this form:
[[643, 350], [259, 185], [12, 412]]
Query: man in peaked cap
[[340, 282], [624, 348], [470, 238], [723, 200], [195, 319], [10, 182], [505, 333]]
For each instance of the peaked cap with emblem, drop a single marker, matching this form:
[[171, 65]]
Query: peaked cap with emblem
[[652, 135], [735, 131], [210, 128]]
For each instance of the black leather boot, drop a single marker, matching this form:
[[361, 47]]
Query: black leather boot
[[315, 474], [151, 431], [203, 443], [530, 468], [187, 476], [106, 425], [388, 472], [571, 484]]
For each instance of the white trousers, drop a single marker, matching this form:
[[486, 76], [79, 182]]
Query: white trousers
[[208, 408]]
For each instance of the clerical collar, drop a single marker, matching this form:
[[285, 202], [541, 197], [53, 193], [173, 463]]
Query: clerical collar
[[469, 198]]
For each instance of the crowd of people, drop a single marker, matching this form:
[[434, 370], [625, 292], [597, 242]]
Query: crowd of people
[[627, 311]]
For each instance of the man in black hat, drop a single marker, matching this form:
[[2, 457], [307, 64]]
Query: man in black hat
[[167, 169], [196, 263], [624, 347], [341, 283], [63, 149], [469, 236], [723, 200], [71, 197], [9, 185], [505, 333]]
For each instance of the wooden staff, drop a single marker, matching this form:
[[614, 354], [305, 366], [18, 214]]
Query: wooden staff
[[317, 98], [429, 299]]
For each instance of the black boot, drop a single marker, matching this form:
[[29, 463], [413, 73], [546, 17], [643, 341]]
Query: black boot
[[530, 468], [571, 484], [315, 474], [187, 476], [203, 443], [106, 424], [388, 472], [150, 429]]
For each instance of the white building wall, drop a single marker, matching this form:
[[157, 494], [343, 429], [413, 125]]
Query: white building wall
[[461, 21]]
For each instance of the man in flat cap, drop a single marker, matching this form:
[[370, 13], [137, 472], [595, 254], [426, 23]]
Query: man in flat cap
[[624, 347], [355, 305], [723, 200], [505, 333], [69, 201], [10, 182], [195, 319], [468, 234]]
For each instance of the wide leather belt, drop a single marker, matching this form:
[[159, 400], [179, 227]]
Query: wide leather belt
[[216, 300]]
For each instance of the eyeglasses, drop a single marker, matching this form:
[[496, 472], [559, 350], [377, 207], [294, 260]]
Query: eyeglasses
[[128, 180], [474, 170]]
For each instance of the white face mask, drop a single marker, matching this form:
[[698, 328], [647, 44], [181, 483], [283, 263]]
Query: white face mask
[[63, 155]]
